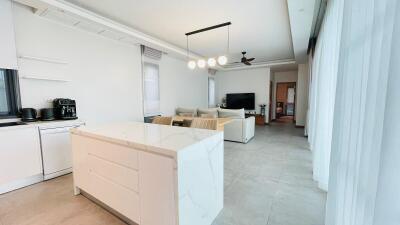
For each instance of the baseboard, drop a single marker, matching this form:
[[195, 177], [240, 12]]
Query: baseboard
[[108, 208], [297, 126], [57, 174], [17, 184]]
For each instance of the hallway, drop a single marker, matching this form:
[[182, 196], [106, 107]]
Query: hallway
[[267, 182]]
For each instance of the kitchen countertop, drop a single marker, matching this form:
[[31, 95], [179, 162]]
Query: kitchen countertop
[[40, 124], [163, 139]]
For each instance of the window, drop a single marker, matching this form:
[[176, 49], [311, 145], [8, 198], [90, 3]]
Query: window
[[9, 94], [151, 90], [211, 92]]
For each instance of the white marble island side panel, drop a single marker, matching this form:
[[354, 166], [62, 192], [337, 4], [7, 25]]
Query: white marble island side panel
[[152, 174], [200, 181]]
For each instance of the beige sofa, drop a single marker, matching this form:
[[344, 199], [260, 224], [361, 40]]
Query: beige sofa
[[241, 129]]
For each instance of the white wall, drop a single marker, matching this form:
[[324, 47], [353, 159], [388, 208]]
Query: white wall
[[105, 75], [302, 95], [180, 86], [245, 81], [281, 77]]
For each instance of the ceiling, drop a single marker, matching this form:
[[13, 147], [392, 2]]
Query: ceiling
[[260, 27]]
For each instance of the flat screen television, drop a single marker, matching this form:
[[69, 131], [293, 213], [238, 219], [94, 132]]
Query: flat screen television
[[240, 101]]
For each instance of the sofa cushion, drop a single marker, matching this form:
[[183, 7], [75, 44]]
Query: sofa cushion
[[186, 114], [208, 115], [180, 110], [212, 112], [231, 113]]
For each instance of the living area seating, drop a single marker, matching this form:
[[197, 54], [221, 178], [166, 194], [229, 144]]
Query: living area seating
[[162, 120], [210, 124], [239, 129]]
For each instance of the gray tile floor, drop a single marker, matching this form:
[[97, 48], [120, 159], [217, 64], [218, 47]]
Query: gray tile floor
[[269, 180]]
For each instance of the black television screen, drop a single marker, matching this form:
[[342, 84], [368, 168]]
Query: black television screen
[[240, 100]]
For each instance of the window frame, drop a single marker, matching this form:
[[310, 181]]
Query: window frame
[[12, 94]]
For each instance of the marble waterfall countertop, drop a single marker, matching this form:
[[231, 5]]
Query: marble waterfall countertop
[[151, 174], [162, 139]]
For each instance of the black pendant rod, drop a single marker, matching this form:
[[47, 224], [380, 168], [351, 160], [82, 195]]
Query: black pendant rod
[[209, 28]]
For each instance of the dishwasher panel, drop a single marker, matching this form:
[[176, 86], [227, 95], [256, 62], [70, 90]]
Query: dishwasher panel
[[56, 151]]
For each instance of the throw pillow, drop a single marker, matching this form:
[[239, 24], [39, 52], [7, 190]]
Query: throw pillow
[[186, 114], [206, 115], [186, 110], [211, 111]]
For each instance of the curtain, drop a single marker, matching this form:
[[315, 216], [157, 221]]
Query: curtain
[[364, 180], [151, 89], [323, 91], [211, 92]]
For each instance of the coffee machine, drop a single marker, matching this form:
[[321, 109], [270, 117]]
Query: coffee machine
[[64, 109]]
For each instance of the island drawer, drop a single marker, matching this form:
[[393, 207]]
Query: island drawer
[[119, 198], [118, 154], [114, 172]]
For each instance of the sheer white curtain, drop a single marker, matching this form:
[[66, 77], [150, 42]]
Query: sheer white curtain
[[364, 181], [151, 89], [211, 92], [323, 90]]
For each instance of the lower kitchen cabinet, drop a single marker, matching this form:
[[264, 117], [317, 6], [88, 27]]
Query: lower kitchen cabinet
[[20, 157]]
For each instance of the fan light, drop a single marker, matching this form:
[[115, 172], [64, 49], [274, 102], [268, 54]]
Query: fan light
[[211, 62], [201, 63], [222, 60], [191, 64]]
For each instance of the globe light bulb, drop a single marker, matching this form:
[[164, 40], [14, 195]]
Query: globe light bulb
[[201, 63], [211, 62], [191, 64], [222, 60]]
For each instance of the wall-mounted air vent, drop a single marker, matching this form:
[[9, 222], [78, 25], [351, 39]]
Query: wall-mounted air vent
[[151, 52]]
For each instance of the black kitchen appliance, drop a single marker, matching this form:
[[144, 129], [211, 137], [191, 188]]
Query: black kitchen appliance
[[47, 114], [64, 109], [28, 114]]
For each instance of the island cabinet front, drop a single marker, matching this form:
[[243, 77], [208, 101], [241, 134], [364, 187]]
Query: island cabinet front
[[150, 185]]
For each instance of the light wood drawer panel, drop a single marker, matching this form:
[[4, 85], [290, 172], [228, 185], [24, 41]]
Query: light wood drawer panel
[[115, 153], [117, 173], [115, 196]]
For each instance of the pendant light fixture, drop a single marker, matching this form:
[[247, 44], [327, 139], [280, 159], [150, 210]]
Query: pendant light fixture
[[211, 62], [191, 63]]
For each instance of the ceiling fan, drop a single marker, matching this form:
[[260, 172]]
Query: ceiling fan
[[245, 60]]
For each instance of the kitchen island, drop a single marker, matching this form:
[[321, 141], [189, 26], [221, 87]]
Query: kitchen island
[[151, 174]]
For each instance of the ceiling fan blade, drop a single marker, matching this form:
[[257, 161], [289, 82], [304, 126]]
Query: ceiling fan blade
[[251, 59], [247, 63]]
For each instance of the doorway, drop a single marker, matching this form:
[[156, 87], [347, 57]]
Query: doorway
[[285, 102]]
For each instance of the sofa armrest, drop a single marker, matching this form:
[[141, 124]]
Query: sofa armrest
[[248, 128]]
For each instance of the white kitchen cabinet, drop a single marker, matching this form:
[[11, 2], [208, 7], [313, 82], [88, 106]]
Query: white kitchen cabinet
[[8, 53], [20, 157]]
